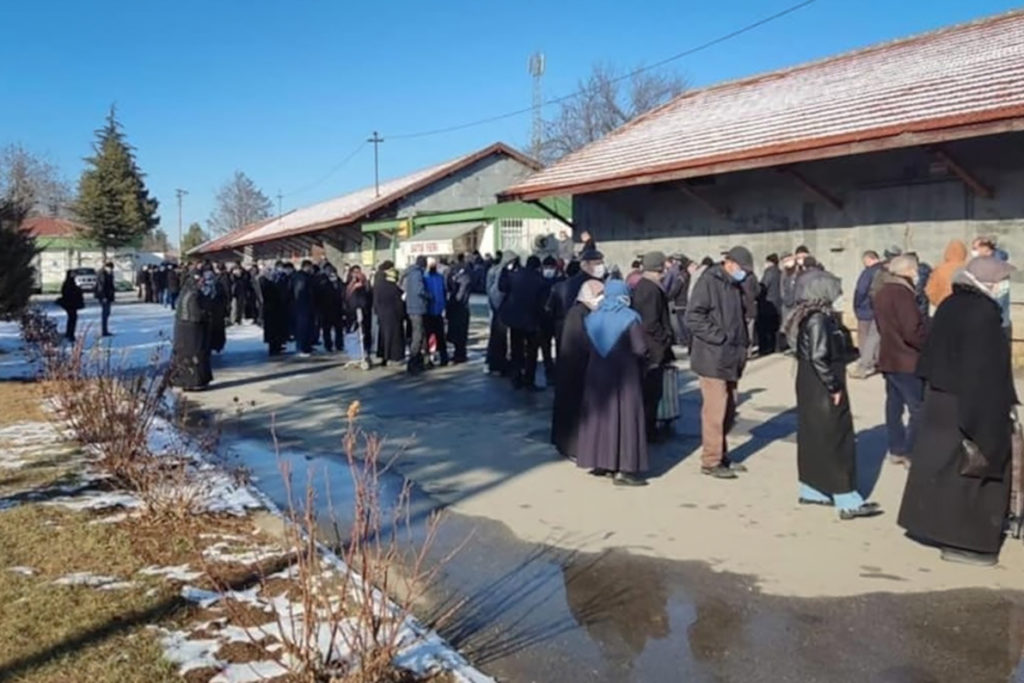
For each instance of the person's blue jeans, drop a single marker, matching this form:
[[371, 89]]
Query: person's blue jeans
[[903, 390], [105, 315]]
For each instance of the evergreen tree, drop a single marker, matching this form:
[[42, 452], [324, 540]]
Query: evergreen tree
[[193, 238], [17, 252], [113, 202]]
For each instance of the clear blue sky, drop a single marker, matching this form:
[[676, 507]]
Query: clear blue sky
[[285, 90]]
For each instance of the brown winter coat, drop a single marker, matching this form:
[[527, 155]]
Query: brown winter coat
[[901, 326], [940, 284]]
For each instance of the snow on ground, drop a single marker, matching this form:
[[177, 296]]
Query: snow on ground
[[142, 335]]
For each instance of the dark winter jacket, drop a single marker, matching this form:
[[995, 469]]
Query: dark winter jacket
[[105, 286], [771, 287], [652, 304], [416, 297], [822, 343], [460, 285], [71, 297], [434, 283], [901, 325], [173, 281], [524, 291], [862, 293], [751, 291], [715, 319]]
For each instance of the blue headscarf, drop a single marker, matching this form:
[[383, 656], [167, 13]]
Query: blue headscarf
[[611, 319]]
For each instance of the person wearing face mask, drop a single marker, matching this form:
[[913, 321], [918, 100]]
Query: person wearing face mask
[[563, 294], [546, 333], [571, 369], [651, 303], [902, 332], [718, 329]]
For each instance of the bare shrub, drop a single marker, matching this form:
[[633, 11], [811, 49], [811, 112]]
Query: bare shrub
[[348, 622]]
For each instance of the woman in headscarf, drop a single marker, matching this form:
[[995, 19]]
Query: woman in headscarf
[[190, 356], [958, 490], [359, 308], [940, 283], [826, 447], [572, 364], [390, 310], [612, 436]]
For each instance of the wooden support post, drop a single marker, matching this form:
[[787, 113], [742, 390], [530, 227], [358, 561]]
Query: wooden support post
[[686, 189], [978, 187], [812, 187]]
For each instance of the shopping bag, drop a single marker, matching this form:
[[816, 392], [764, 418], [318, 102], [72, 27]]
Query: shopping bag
[[668, 406]]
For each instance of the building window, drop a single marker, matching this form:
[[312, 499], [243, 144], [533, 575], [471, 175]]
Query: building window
[[512, 233]]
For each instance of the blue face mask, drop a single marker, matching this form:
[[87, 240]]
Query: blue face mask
[[739, 275]]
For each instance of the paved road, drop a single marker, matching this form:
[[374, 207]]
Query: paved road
[[572, 579]]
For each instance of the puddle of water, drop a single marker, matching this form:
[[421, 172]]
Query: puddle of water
[[534, 612]]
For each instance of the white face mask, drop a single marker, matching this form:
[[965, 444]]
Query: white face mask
[[549, 272], [599, 271], [974, 253]]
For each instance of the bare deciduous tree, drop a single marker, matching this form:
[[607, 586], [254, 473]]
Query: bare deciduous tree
[[239, 203], [31, 183], [607, 99]]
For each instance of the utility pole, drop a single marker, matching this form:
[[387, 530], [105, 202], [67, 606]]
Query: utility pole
[[181, 252], [536, 66], [279, 197], [376, 140]]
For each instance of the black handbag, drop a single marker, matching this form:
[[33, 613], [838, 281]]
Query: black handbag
[[973, 462]]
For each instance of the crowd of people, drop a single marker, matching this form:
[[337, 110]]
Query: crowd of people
[[607, 342]]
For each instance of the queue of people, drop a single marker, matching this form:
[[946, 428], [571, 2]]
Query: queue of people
[[610, 339]]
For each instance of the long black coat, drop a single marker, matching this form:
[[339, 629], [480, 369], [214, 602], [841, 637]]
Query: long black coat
[[573, 353], [826, 455], [714, 316], [274, 311], [190, 355], [218, 308], [302, 303], [966, 366], [525, 295], [390, 311], [650, 302], [612, 432]]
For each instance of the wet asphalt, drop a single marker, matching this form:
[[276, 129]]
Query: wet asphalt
[[536, 612]]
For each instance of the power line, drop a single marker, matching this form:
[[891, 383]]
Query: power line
[[631, 74], [337, 167]]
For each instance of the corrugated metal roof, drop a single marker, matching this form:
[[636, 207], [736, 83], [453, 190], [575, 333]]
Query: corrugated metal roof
[[354, 206], [955, 77]]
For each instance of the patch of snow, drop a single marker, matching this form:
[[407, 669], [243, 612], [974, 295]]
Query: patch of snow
[[24, 571], [190, 654], [250, 672], [88, 579], [201, 597], [222, 552], [98, 500], [181, 572], [116, 586]]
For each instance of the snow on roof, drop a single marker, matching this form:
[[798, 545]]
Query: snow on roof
[[955, 78], [351, 207]]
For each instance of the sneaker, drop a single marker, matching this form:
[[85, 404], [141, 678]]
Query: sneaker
[[969, 557], [899, 460], [865, 510], [623, 479], [719, 472]]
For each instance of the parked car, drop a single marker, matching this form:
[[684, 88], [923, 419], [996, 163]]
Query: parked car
[[85, 278]]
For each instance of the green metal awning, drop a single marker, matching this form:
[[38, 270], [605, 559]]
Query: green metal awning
[[448, 231]]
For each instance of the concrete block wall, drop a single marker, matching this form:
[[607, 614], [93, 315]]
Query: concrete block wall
[[904, 198]]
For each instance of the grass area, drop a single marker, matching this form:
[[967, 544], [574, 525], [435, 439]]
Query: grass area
[[21, 402]]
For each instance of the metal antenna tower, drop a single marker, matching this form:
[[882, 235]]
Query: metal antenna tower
[[536, 66]]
